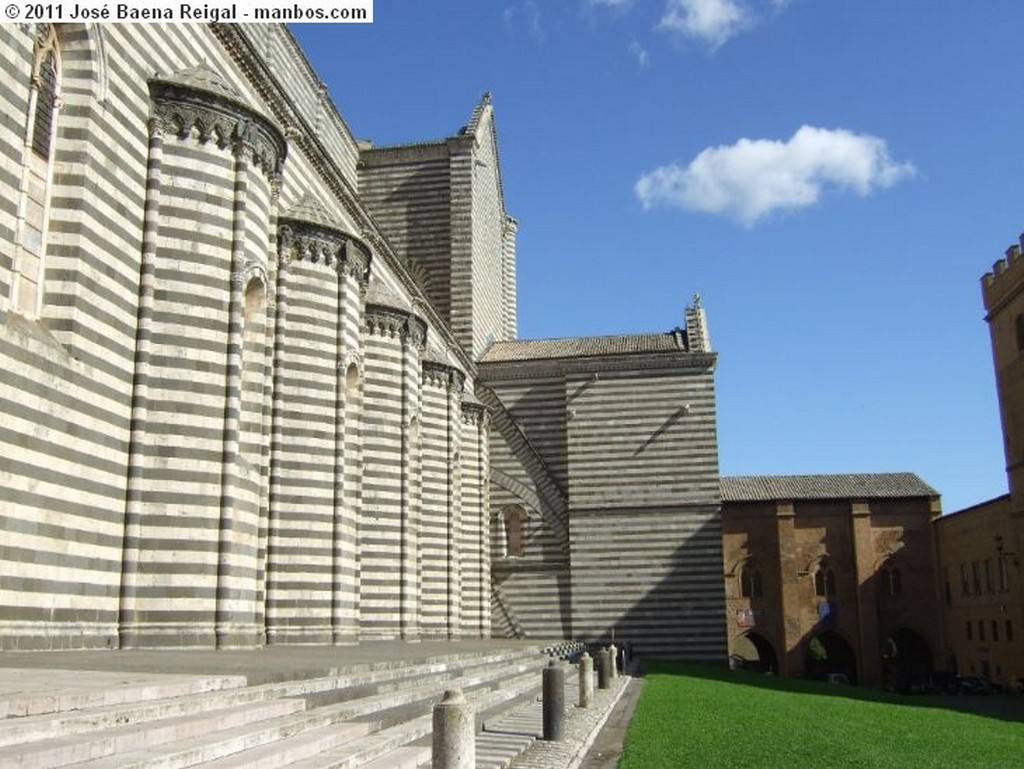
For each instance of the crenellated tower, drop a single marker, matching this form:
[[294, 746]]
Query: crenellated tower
[[1003, 295]]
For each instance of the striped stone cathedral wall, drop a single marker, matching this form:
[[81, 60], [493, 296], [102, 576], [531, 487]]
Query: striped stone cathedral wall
[[388, 527], [66, 378], [441, 500], [187, 422], [408, 189], [645, 526], [195, 473], [473, 529], [312, 565]]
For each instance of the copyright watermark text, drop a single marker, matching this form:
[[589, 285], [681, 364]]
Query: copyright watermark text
[[148, 11]]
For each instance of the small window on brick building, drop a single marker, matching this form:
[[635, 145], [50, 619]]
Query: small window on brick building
[[948, 594], [751, 585], [1004, 581], [976, 574], [824, 581], [891, 581], [970, 635], [981, 630], [1009, 630], [965, 585], [1019, 324], [995, 630], [990, 586]]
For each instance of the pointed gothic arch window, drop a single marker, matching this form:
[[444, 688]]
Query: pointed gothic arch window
[[824, 580], [37, 173], [751, 585]]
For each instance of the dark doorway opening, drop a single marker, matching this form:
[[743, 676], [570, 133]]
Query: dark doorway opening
[[906, 661], [752, 651], [829, 657]]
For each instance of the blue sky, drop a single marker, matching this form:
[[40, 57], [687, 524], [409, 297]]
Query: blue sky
[[832, 177]]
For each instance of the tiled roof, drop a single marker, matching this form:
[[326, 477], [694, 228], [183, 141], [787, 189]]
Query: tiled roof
[[582, 347], [753, 488]]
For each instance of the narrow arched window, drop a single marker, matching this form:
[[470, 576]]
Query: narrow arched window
[[890, 581], [824, 581], [751, 585], [1019, 325], [44, 101]]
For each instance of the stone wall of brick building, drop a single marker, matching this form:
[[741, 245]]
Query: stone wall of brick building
[[979, 548], [784, 535], [981, 589]]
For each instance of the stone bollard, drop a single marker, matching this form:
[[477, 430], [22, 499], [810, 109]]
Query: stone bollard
[[553, 680], [454, 741], [586, 681], [613, 657], [603, 669]]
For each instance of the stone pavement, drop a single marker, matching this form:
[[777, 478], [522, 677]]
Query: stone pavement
[[593, 737], [32, 681]]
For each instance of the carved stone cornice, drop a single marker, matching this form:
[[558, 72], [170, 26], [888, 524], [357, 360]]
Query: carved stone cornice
[[416, 332], [474, 413], [385, 321], [396, 323], [441, 374], [197, 99], [299, 240]]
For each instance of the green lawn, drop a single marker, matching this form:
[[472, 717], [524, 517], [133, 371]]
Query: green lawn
[[692, 716]]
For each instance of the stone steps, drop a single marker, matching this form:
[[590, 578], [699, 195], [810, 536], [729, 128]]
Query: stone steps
[[99, 743], [376, 716], [37, 695]]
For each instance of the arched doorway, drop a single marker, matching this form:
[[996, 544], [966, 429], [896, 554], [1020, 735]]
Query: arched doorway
[[752, 651], [906, 660], [828, 654]]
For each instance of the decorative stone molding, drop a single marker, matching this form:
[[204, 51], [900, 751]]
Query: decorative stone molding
[[254, 271], [441, 374], [397, 324], [350, 358], [198, 99], [385, 321], [416, 332], [307, 232], [500, 371], [475, 414]]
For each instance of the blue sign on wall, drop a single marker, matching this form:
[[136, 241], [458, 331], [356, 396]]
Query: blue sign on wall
[[828, 612]]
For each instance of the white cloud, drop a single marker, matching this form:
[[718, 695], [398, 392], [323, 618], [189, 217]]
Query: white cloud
[[716, 21], [640, 54], [529, 12], [616, 4], [756, 177], [713, 21]]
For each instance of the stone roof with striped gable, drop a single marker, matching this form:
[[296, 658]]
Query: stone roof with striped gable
[[756, 488], [584, 347]]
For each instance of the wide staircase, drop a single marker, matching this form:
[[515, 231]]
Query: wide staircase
[[374, 716]]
